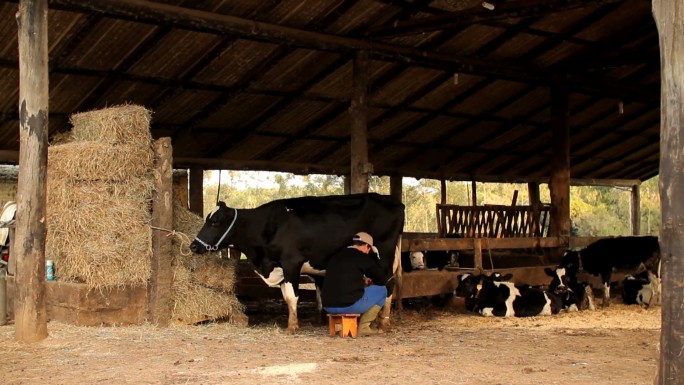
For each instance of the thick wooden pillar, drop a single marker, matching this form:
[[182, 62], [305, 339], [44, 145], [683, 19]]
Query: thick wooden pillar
[[358, 113], [559, 184], [196, 190], [159, 298], [396, 188], [636, 210], [669, 16], [30, 310], [533, 193]]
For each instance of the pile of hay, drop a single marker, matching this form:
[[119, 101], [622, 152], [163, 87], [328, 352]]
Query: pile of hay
[[202, 284], [99, 189], [100, 186]]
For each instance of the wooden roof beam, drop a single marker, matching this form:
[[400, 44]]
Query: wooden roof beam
[[196, 20], [479, 14], [317, 168]]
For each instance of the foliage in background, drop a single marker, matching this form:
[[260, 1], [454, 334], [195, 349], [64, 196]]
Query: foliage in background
[[594, 211]]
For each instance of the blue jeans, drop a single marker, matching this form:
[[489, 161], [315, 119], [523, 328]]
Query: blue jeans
[[372, 295]]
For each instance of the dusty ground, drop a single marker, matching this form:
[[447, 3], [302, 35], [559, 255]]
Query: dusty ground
[[433, 346]]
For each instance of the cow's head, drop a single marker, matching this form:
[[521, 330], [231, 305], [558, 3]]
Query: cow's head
[[571, 262], [560, 280], [214, 235], [417, 260]]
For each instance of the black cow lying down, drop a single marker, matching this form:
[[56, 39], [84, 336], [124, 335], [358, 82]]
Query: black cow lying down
[[604, 256], [495, 295], [641, 289], [574, 295], [285, 238]]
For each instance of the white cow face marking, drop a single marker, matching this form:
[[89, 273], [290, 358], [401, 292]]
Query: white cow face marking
[[560, 274], [417, 260]]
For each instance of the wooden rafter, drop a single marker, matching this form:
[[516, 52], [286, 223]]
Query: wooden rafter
[[480, 14]]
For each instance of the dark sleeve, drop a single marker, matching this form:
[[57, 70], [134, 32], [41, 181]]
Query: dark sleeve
[[374, 271]]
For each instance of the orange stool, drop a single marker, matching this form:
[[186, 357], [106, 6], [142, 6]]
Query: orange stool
[[343, 324]]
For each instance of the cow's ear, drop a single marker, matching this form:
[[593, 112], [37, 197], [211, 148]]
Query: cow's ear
[[507, 277], [549, 272]]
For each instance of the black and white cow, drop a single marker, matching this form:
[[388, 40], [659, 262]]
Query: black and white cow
[[604, 256], [641, 289], [285, 238], [496, 296], [574, 295]]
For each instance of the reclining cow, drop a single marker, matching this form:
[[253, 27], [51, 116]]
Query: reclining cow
[[604, 256], [285, 238], [496, 296], [641, 289], [574, 295]]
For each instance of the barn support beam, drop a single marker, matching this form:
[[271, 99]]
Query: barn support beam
[[396, 187], [559, 184], [669, 16], [30, 308], [160, 296], [311, 168], [196, 190], [636, 210], [358, 114]]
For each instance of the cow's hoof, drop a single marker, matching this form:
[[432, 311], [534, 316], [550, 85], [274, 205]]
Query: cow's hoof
[[292, 328]]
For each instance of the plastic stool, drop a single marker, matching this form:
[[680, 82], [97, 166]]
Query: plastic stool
[[343, 324]]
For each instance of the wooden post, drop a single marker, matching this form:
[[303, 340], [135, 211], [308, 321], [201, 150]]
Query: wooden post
[[347, 185], [196, 191], [477, 258], [443, 190], [636, 210], [360, 168], [30, 309], [473, 192], [396, 187], [159, 288], [669, 15], [533, 193], [559, 185]]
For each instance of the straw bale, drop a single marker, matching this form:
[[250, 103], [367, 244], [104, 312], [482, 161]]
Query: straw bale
[[125, 124], [203, 286], [99, 233], [96, 161], [62, 138], [195, 303]]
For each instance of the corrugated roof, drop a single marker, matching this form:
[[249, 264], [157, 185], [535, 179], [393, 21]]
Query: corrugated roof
[[455, 90]]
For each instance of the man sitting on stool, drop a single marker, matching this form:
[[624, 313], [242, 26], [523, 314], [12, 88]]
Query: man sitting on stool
[[354, 283]]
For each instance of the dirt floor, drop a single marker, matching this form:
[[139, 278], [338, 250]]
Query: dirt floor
[[429, 345]]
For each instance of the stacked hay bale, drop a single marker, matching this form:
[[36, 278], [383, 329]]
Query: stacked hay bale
[[100, 185], [99, 189]]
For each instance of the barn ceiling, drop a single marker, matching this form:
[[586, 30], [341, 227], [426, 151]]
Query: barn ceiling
[[456, 89]]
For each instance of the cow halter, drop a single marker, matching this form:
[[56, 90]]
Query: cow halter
[[215, 247]]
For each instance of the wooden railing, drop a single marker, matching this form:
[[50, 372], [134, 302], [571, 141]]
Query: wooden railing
[[493, 221]]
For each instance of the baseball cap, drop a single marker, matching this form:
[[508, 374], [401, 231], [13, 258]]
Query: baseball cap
[[363, 237]]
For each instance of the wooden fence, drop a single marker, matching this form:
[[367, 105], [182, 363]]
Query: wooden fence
[[493, 221]]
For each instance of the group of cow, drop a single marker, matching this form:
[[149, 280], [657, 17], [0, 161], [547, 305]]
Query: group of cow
[[285, 238], [497, 295]]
